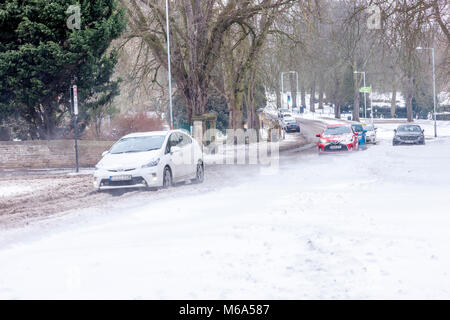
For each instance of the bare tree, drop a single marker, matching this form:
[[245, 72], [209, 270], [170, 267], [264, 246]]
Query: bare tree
[[197, 30]]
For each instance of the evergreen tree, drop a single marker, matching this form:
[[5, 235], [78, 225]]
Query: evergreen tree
[[41, 57]]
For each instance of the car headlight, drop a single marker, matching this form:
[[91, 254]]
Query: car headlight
[[98, 166], [349, 140], [152, 163], [323, 141]]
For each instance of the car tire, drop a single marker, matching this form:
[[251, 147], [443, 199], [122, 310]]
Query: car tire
[[167, 178], [200, 173]]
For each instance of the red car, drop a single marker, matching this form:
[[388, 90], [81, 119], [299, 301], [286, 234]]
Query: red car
[[338, 138]]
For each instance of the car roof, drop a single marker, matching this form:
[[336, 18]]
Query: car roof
[[337, 125], [409, 125], [153, 133]]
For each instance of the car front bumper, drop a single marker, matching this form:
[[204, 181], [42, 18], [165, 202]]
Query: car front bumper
[[328, 148], [409, 141], [104, 179]]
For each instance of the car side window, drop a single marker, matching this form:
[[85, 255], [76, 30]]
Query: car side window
[[186, 139], [172, 142], [181, 142]]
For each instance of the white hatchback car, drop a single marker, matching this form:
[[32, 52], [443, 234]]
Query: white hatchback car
[[150, 159], [371, 134]]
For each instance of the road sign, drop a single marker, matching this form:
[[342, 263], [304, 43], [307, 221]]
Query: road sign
[[365, 89], [75, 100]]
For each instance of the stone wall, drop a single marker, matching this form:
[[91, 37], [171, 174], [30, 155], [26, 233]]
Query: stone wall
[[50, 154]]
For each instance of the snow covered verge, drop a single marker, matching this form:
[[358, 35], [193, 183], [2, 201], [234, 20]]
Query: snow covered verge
[[14, 189], [372, 224], [15, 183]]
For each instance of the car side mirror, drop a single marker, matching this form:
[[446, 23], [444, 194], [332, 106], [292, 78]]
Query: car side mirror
[[318, 135], [105, 153], [423, 130], [174, 149], [356, 134], [395, 130]]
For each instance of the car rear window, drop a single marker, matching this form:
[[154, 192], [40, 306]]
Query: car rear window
[[332, 131]]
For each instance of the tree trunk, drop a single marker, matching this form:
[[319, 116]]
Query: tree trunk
[[303, 95], [238, 111], [235, 108], [278, 93], [409, 97], [250, 102], [196, 101], [321, 95], [312, 96], [293, 84], [393, 101], [355, 95], [337, 111], [48, 122]]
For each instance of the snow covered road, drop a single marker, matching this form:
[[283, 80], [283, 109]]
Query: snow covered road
[[373, 224]]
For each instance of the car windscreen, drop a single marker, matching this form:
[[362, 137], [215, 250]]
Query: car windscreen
[[357, 127], [415, 129], [137, 144], [368, 127], [333, 131]]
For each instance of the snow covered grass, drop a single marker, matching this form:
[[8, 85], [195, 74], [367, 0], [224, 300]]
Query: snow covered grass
[[372, 224], [8, 189]]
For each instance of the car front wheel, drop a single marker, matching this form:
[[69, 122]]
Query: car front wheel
[[200, 175], [167, 178]]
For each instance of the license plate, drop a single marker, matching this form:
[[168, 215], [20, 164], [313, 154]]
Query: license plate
[[120, 178], [335, 147]]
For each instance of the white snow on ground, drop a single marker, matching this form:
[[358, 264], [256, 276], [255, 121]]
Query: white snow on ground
[[8, 189], [373, 224]]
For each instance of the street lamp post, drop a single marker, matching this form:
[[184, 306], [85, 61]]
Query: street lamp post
[[434, 89], [168, 64], [282, 83], [364, 81]]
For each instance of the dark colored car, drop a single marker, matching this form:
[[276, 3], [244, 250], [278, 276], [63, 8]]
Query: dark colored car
[[291, 125], [408, 134]]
